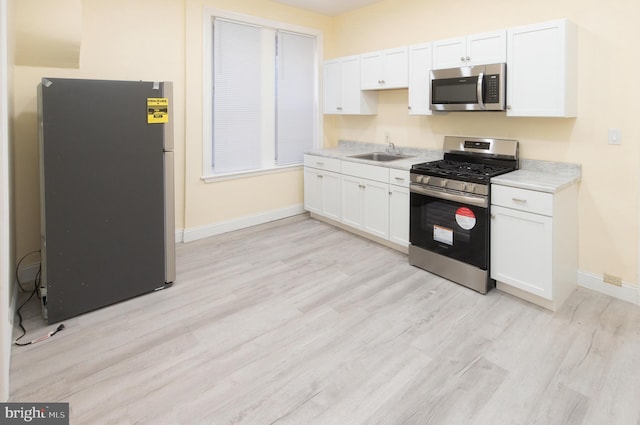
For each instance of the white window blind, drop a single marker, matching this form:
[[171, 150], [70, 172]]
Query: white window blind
[[237, 91], [295, 97], [261, 100]]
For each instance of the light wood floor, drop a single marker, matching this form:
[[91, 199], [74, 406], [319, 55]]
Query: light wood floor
[[297, 322]]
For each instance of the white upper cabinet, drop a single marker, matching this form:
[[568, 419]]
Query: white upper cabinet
[[542, 70], [476, 49], [341, 89], [419, 82], [385, 69]]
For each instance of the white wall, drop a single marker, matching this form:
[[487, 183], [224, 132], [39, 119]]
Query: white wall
[[5, 226]]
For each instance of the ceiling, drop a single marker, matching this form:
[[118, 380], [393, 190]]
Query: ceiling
[[328, 7]]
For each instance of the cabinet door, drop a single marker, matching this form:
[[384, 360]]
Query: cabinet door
[[331, 87], [395, 65], [399, 215], [488, 47], [352, 205], [542, 70], [450, 53], [331, 195], [419, 79], [371, 71], [312, 190], [521, 250], [350, 85], [376, 208]]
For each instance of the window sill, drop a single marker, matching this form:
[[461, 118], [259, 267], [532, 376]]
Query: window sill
[[213, 178]]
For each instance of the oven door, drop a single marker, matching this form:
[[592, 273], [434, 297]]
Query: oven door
[[450, 223]]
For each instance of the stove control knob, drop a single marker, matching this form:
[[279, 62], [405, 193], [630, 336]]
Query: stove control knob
[[471, 187], [425, 179], [463, 187], [418, 179], [443, 183]]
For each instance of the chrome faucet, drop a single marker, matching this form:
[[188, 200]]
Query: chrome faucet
[[391, 148]]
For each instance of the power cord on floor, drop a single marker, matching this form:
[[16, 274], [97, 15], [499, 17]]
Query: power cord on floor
[[34, 292]]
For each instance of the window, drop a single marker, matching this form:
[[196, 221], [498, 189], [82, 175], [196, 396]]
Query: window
[[261, 94]]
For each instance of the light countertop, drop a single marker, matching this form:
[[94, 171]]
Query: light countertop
[[346, 149], [542, 176]]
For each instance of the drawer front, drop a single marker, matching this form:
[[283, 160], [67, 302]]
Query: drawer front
[[399, 177], [371, 172], [522, 199], [322, 163]]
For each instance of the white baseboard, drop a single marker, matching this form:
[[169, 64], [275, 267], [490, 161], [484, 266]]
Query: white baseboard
[[200, 232], [179, 235], [594, 282]]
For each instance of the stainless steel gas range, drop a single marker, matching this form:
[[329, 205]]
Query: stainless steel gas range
[[450, 209]]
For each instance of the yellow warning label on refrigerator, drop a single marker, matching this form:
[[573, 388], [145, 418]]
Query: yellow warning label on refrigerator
[[157, 110]]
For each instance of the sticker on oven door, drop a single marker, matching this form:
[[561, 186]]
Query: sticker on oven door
[[442, 234], [465, 218]]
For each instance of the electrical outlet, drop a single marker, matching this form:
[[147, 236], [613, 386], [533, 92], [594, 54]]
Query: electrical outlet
[[612, 280]]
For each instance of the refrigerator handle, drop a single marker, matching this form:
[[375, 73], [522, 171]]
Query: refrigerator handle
[[170, 219], [167, 91]]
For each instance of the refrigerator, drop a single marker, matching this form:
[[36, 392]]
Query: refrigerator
[[107, 215]]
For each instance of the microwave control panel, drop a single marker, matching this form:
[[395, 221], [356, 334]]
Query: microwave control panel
[[492, 89]]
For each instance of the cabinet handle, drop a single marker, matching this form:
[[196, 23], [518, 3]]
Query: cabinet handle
[[361, 186], [519, 200], [468, 58], [320, 164], [508, 107], [339, 108], [320, 176], [400, 179], [409, 107], [461, 58]]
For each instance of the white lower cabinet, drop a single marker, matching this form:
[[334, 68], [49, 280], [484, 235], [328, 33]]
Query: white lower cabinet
[[534, 243], [399, 215], [371, 199], [365, 202], [365, 205], [322, 186], [399, 207], [322, 192]]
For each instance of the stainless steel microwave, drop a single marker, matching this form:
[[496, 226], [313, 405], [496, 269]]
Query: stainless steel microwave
[[469, 88]]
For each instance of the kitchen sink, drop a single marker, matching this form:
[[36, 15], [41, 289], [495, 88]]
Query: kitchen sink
[[380, 156]]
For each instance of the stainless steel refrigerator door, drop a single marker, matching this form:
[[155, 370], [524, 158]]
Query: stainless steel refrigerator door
[[103, 189]]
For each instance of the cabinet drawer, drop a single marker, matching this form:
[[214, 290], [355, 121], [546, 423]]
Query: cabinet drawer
[[322, 163], [371, 172], [399, 177], [522, 199]]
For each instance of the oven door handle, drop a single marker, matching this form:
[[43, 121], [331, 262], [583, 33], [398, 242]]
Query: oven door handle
[[478, 201]]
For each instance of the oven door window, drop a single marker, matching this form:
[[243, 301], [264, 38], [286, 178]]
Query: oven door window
[[453, 229]]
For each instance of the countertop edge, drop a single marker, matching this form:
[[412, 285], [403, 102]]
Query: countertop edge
[[540, 181]]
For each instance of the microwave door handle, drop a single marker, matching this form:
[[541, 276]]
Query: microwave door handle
[[479, 90]]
